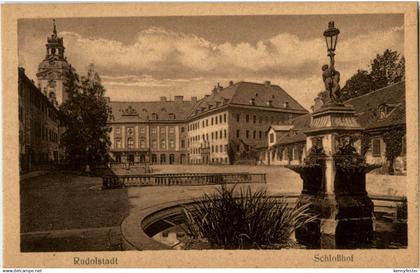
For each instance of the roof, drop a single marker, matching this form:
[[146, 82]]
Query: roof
[[366, 106], [165, 110], [242, 93]]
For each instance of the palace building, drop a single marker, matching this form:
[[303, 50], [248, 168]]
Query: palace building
[[150, 131], [200, 131], [377, 112]]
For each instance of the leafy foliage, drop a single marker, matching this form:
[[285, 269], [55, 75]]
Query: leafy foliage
[[231, 153], [359, 84], [393, 146], [245, 221], [85, 115], [366, 140], [385, 69]]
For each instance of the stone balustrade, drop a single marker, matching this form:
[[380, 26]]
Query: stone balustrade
[[181, 179]]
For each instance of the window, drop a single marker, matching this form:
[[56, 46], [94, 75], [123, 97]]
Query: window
[[211, 121], [254, 134], [271, 138], [154, 158], [224, 118], [153, 129], [260, 119], [171, 130], [254, 119], [182, 143], [247, 134], [220, 119], [154, 144], [207, 122], [130, 131], [376, 147], [247, 118], [142, 130], [142, 144], [217, 148], [162, 159], [225, 133], [238, 117], [238, 133], [215, 120], [260, 134], [172, 144], [221, 134], [171, 116], [118, 143], [130, 143], [162, 144], [155, 116], [117, 131], [182, 129]]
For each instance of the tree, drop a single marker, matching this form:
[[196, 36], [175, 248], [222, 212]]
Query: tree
[[359, 84], [231, 152], [84, 115], [385, 69], [393, 148]]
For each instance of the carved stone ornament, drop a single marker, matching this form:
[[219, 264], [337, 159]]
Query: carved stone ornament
[[129, 111], [345, 145]]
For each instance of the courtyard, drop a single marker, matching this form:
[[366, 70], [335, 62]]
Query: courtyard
[[68, 212]]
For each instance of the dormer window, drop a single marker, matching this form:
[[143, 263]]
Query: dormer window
[[269, 103], [171, 116], [155, 116], [252, 101], [286, 104], [384, 111]]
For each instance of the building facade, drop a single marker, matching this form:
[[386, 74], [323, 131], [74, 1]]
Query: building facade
[[223, 126], [39, 127], [378, 112], [154, 132]]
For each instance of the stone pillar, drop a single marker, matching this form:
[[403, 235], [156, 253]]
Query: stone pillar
[[334, 181]]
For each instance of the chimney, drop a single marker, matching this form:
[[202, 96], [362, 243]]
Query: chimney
[[162, 98], [194, 99], [219, 87], [286, 104], [179, 98], [267, 83], [230, 83]]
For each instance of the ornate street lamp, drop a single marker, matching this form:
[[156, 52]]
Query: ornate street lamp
[[331, 38]]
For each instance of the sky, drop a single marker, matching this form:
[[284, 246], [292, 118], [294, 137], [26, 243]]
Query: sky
[[144, 58]]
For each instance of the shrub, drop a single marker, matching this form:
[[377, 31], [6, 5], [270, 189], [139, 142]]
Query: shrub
[[247, 220]]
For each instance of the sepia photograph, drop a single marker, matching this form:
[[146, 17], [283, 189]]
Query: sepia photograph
[[194, 133]]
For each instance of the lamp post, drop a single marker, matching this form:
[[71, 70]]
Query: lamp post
[[331, 38]]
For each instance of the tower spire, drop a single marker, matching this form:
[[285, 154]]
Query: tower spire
[[55, 29]]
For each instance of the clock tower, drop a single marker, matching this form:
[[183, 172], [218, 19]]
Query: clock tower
[[54, 72]]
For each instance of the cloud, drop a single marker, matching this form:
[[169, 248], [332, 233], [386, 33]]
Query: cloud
[[165, 59]]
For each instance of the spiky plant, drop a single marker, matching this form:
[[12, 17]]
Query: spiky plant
[[244, 220]]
